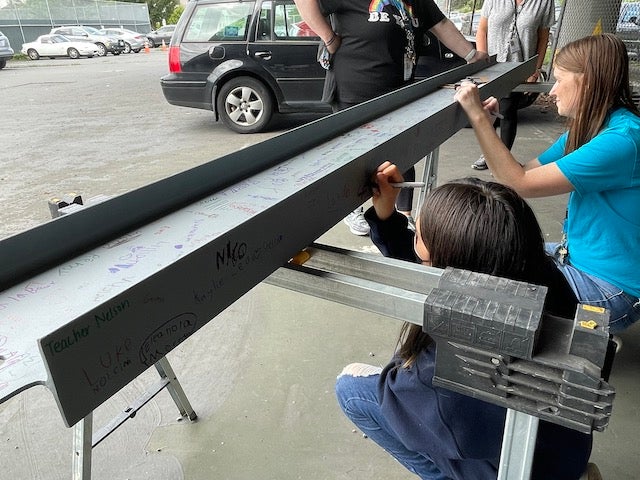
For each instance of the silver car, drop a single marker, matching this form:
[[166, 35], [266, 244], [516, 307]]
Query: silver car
[[6, 52], [156, 37], [133, 41], [105, 43]]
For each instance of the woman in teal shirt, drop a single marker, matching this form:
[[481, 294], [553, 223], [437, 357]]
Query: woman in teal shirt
[[597, 161]]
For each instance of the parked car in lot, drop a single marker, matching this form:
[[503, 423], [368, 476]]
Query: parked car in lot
[[470, 23], [133, 41], [156, 37], [457, 18], [246, 60], [105, 43], [6, 52], [58, 46], [628, 28], [553, 31]]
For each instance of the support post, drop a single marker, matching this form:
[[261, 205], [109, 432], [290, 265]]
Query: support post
[[82, 432], [175, 389], [518, 446], [429, 174]]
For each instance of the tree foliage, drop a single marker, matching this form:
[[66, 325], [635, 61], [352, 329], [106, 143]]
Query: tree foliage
[[466, 5], [159, 10], [175, 15]]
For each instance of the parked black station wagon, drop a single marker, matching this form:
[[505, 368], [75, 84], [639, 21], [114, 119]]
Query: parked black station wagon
[[245, 60]]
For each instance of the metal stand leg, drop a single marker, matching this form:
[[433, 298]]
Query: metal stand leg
[[84, 440], [518, 446], [429, 175], [82, 432], [175, 389]]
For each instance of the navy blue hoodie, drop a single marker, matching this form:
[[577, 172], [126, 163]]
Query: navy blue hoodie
[[461, 434]]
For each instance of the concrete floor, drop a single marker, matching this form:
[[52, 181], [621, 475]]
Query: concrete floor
[[260, 377]]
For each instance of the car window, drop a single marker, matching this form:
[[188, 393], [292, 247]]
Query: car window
[[630, 12], [288, 23], [263, 29], [218, 22]]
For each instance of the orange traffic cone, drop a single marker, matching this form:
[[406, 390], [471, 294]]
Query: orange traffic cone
[[164, 46], [146, 47]]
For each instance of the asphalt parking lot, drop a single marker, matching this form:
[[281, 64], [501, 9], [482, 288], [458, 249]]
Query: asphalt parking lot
[[98, 126]]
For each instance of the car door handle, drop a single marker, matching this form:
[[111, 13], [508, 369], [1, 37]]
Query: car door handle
[[263, 55]]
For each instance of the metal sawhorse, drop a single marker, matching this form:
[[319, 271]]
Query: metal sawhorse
[[536, 366], [84, 438]]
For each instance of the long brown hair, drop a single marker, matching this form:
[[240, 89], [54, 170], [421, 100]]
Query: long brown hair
[[604, 63], [481, 226]]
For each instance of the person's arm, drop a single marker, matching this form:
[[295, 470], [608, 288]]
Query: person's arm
[[530, 180], [448, 34], [389, 230], [543, 40], [481, 35], [311, 14]]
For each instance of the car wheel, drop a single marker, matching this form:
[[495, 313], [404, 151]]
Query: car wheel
[[3, 63], [137, 50], [33, 55], [102, 50], [151, 43], [127, 47], [245, 105], [73, 53]]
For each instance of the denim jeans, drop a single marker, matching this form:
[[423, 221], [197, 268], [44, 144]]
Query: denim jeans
[[357, 392], [624, 310]]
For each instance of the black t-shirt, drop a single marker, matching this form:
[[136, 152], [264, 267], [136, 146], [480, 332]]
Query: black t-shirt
[[375, 37]]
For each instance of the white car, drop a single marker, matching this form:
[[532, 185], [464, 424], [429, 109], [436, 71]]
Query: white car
[[58, 46]]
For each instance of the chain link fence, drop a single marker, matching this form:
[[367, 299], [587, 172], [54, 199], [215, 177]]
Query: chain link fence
[[579, 18], [24, 23]]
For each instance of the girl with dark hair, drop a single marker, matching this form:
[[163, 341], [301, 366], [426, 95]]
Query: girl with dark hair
[[597, 161], [436, 433]]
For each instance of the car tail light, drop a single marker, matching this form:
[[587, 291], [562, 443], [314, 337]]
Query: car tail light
[[174, 59]]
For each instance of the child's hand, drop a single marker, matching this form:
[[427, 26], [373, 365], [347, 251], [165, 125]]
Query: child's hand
[[384, 195]]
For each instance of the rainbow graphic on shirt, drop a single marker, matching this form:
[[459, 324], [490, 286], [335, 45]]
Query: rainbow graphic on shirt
[[378, 6]]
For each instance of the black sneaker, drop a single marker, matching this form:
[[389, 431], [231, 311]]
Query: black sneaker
[[479, 164]]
